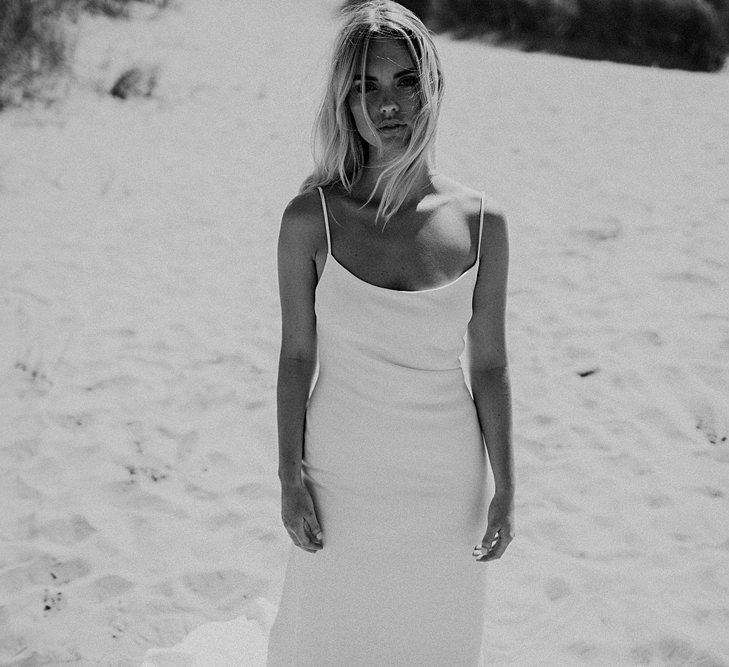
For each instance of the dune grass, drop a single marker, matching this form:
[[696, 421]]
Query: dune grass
[[34, 46], [687, 34], [37, 40], [116, 7]]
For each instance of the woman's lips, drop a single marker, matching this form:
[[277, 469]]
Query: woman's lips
[[388, 129]]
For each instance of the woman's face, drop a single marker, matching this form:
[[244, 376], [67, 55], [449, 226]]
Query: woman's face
[[391, 94]]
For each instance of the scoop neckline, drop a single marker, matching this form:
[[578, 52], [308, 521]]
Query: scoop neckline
[[390, 289]]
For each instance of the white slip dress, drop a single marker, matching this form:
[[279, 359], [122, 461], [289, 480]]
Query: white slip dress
[[395, 462]]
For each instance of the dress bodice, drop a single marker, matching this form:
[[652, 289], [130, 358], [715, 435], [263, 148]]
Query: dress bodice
[[364, 323]]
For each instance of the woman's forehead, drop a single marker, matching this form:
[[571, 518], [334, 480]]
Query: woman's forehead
[[388, 53]]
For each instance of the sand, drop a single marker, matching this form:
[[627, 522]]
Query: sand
[[139, 330]]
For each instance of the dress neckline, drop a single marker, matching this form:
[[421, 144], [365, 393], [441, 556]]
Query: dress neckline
[[437, 288], [359, 280]]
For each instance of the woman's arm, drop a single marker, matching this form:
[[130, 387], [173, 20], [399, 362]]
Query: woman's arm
[[297, 362], [489, 377]]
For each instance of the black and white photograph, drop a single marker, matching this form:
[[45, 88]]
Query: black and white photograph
[[364, 333]]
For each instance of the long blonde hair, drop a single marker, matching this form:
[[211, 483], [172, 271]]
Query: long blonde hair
[[339, 150]]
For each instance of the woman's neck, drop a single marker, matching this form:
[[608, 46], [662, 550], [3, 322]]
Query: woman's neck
[[365, 184]]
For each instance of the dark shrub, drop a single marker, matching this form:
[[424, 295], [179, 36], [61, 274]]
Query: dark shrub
[[34, 46], [115, 7], [465, 18], [721, 7], [692, 34], [682, 33], [35, 43], [421, 8]]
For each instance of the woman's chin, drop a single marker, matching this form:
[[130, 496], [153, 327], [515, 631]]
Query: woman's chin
[[392, 140]]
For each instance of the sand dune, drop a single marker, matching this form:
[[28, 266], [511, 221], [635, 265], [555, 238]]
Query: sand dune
[[139, 336]]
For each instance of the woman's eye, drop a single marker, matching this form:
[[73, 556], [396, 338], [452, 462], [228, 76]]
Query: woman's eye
[[368, 87], [409, 81]]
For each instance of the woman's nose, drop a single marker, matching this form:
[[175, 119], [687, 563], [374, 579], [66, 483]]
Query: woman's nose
[[388, 108]]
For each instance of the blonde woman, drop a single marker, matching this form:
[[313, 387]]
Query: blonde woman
[[385, 268]]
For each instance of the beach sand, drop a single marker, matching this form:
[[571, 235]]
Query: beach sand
[[139, 327]]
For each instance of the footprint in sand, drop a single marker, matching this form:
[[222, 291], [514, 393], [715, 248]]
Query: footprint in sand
[[44, 570], [62, 572], [109, 586], [209, 396], [114, 382], [185, 441], [543, 420], [200, 493], [690, 277], [674, 651], [219, 584], [24, 491], [123, 332], [715, 377], [662, 422], [132, 497], [650, 338], [19, 451], [536, 448], [711, 492], [226, 520], [66, 532], [658, 500], [73, 422], [585, 651], [257, 491], [556, 589], [605, 228]]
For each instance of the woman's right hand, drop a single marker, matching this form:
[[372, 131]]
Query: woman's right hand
[[299, 517]]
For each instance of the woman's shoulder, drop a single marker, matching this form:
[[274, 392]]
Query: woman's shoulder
[[466, 198], [304, 207], [302, 221]]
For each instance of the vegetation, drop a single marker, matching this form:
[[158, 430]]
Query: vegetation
[[36, 42], [34, 46], [115, 7], [689, 34]]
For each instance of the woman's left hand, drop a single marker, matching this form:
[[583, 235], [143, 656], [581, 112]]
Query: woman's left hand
[[500, 530]]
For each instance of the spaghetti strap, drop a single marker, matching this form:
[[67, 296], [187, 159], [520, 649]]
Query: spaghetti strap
[[480, 233], [326, 219]]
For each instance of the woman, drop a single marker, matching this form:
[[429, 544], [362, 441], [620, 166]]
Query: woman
[[384, 267]]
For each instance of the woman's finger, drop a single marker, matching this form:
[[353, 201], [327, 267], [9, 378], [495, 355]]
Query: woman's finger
[[481, 550], [303, 540], [497, 549], [488, 539], [296, 539], [313, 523], [313, 532]]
